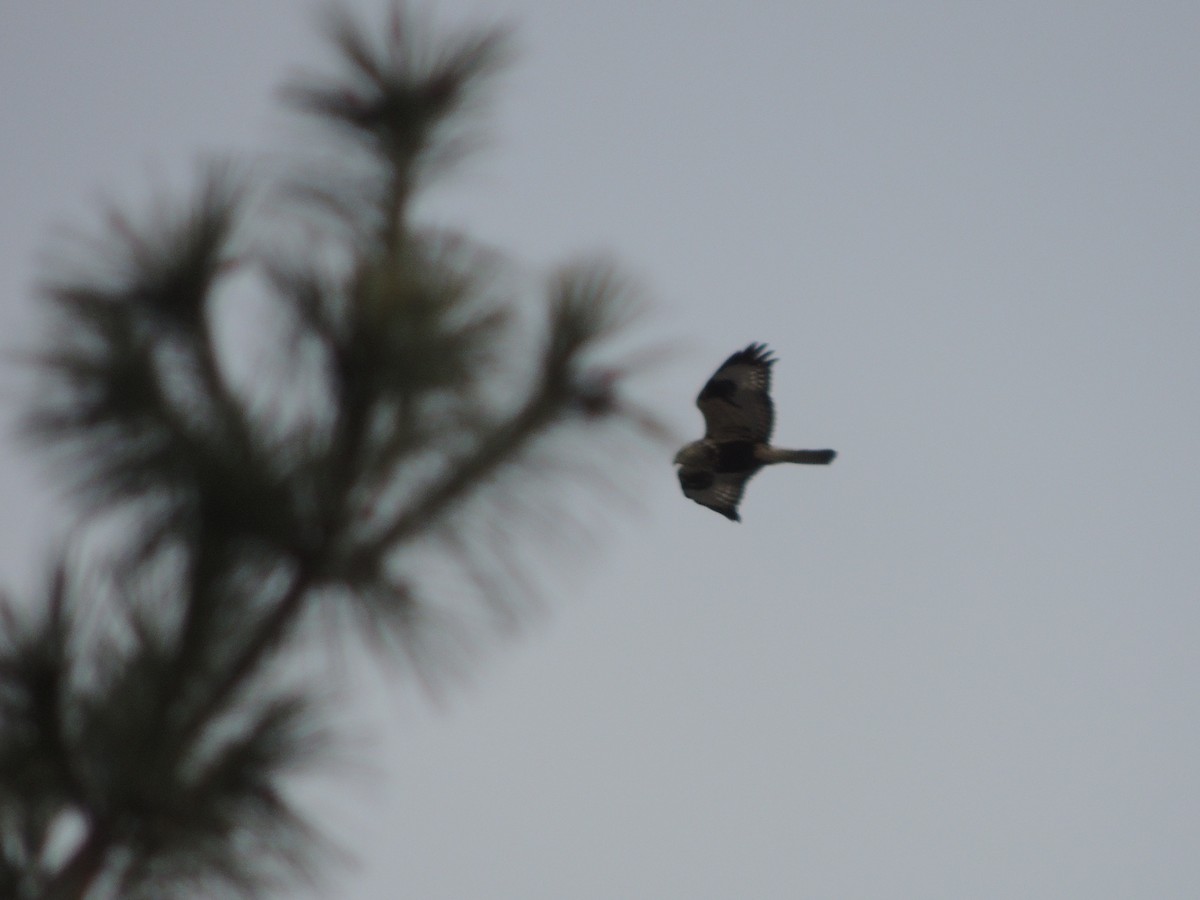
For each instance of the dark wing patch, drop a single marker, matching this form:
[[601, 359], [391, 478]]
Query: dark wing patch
[[721, 492], [736, 402]]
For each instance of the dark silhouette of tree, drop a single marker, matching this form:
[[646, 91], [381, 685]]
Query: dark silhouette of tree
[[278, 402]]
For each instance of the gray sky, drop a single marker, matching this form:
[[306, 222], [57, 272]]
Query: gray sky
[[962, 661]]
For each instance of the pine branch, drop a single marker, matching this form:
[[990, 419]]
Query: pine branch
[[266, 636], [406, 101], [496, 450], [162, 728]]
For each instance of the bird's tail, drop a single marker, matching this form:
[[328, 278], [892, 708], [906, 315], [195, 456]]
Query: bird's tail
[[771, 455]]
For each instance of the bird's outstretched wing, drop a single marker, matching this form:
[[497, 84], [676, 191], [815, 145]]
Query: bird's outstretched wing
[[736, 402], [720, 491]]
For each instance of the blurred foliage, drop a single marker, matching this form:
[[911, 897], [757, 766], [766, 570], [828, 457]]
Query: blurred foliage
[[273, 400]]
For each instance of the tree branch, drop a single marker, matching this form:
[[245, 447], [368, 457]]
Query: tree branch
[[496, 450], [268, 633]]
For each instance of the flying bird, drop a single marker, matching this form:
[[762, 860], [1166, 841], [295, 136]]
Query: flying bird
[[738, 418]]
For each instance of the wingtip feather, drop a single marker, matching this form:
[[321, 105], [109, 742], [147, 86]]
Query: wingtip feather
[[756, 353]]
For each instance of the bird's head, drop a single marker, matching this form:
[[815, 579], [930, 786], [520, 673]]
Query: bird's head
[[691, 454]]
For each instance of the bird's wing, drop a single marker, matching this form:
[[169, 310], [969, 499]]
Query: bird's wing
[[720, 491], [736, 402]]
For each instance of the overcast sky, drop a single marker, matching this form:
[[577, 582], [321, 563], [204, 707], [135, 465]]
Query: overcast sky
[[961, 662]]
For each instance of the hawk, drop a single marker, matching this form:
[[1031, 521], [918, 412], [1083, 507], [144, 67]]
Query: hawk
[[738, 417]]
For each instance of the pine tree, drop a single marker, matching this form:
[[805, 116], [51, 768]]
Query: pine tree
[[283, 400]]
